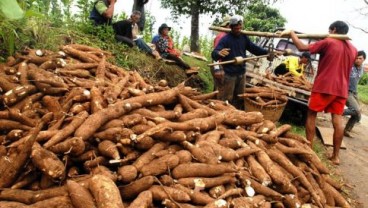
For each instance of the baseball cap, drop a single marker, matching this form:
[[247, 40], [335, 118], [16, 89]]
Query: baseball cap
[[225, 21], [236, 19]]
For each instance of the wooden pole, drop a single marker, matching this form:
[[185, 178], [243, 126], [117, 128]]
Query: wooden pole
[[269, 34], [238, 60]]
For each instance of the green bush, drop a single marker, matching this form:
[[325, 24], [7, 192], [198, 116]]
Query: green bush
[[363, 93], [364, 79]]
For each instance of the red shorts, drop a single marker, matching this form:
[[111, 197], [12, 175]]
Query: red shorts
[[328, 103]]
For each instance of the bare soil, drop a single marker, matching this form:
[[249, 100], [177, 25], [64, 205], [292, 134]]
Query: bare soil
[[353, 166]]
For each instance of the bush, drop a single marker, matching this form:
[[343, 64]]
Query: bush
[[364, 79], [363, 93]]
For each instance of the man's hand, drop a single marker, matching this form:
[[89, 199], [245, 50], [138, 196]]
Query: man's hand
[[271, 56], [224, 52], [285, 33], [219, 76]]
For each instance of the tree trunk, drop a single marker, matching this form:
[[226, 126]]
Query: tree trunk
[[194, 34]]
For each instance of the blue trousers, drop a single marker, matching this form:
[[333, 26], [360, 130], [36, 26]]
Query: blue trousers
[[143, 46]]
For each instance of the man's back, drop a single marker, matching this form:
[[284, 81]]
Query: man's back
[[336, 59], [123, 28]]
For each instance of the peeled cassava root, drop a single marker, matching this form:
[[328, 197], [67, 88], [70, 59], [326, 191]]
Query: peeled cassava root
[[83, 132]]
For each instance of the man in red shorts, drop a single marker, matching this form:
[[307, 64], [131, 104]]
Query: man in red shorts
[[330, 89]]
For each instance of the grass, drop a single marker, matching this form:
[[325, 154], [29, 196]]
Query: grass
[[363, 93], [204, 73]]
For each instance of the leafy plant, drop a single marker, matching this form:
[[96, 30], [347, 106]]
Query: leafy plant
[[148, 29], [194, 8], [261, 17], [10, 9], [363, 93], [364, 79]]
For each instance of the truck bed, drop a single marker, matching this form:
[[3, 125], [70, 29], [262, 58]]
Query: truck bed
[[295, 94]]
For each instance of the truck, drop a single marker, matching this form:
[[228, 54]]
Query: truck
[[297, 106]]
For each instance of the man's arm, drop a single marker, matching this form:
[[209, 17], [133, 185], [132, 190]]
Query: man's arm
[[255, 49], [109, 12], [298, 43], [220, 51]]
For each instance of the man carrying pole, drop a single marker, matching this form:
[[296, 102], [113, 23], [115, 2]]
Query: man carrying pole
[[330, 88], [231, 81]]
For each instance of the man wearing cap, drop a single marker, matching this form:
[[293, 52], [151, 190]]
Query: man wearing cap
[[225, 24], [294, 65], [232, 78], [165, 46], [330, 87]]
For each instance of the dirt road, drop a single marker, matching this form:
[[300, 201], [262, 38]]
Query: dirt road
[[354, 162]]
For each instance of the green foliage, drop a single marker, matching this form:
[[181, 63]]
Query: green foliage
[[184, 41], [194, 8], [84, 6], [10, 9], [364, 79], [204, 73], [214, 7], [148, 29], [8, 35], [363, 93], [261, 17], [206, 45]]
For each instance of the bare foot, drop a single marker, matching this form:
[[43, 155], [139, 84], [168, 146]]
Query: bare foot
[[335, 160]]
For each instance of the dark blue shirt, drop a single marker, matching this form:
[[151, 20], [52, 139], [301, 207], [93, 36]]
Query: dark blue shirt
[[238, 46], [355, 75]]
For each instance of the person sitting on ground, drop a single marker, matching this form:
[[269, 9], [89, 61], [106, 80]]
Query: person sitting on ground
[[155, 39], [165, 47], [102, 12], [127, 32], [294, 65]]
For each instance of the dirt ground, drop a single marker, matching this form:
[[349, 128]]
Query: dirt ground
[[353, 160]]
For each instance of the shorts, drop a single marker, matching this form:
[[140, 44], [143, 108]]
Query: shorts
[[328, 103]]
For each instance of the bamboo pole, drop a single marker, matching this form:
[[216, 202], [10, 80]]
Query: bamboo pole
[[238, 60], [269, 34]]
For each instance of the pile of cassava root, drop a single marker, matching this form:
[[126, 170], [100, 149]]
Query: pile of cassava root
[[78, 131], [289, 79], [265, 96]]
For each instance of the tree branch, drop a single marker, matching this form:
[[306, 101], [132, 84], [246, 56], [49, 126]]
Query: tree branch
[[359, 28]]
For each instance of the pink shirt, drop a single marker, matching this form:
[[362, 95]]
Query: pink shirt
[[218, 38], [335, 62]]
